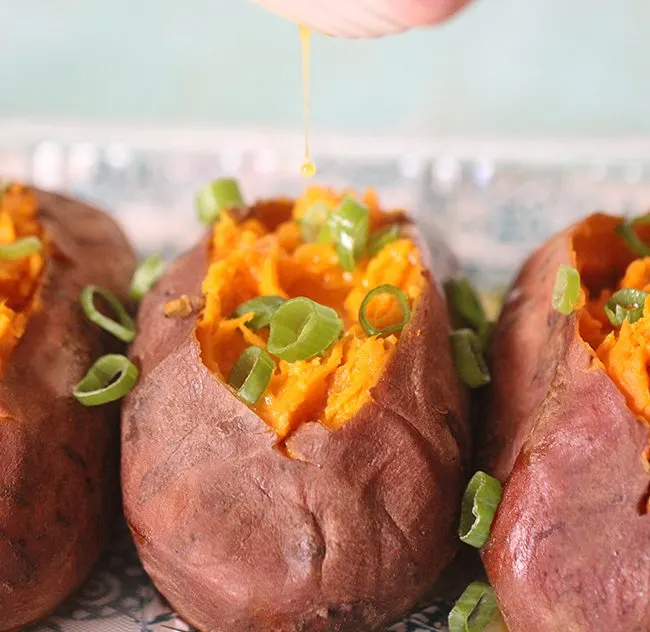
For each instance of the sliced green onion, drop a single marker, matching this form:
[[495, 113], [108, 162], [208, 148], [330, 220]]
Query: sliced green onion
[[468, 356], [566, 291], [146, 276], [302, 329], [627, 303], [217, 196], [264, 307], [401, 298], [109, 379], [315, 224], [326, 235], [474, 610], [486, 334], [480, 502], [626, 231], [350, 229], [20, 248], [251, 374], [382, 237], [466, 310], [465, 304], [124, 329]]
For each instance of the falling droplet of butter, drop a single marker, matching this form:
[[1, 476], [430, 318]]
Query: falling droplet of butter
[[308, 168]]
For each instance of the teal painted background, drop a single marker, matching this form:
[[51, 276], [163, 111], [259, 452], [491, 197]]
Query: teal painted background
[[504, 67]]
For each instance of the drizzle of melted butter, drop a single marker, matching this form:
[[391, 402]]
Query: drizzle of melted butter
[[308, 168]]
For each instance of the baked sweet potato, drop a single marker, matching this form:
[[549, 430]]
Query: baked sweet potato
[[329, 504], [58, 465], [568, 434]]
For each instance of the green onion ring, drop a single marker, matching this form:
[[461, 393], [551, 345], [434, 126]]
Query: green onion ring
[[20, 248], [124, 329], [474, 610], [480, 502], [626, 231], [468, 356], [566, 291], [217, 196], [263, 306], [302, 329], [100, 385], [251, 374], [626, 303], [350, 229], [315, 224], [382, 237], [146, 276], [403, 301]]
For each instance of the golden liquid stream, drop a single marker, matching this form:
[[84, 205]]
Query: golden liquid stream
[[308, 168]]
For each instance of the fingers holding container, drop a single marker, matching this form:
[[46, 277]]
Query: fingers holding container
[[364, 18]]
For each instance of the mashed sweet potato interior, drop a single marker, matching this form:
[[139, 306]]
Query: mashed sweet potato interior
[[606, 265], [19, 278], [264, 255]]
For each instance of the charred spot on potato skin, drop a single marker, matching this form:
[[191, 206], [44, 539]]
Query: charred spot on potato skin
[[338, 611], [74, 456]]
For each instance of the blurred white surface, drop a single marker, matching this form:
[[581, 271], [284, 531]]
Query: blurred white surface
[[493, 200]]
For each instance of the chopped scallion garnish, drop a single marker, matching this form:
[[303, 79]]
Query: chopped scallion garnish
[[302, 329], [480, 503], [251, 374], [109, 379], [566, 291]]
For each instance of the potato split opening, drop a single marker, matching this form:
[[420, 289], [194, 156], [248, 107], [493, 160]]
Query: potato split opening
[[606, 265], [265, 255], [19, 278]]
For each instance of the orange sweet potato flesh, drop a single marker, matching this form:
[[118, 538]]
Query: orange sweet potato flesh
[[567, 429], [58, 474], [19, 278], [341, 530], [267, 256]]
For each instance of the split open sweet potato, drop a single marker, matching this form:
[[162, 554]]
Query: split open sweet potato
[[58, 459], [329, 500], [568, 435]]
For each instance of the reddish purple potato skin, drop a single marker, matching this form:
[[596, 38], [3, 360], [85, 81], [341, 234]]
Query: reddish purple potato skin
[[569, 549], [345, 536], [58, 466]]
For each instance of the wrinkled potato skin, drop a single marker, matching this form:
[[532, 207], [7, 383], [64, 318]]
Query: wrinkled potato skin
[[58, 465], [346, 535], [569, 549]]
